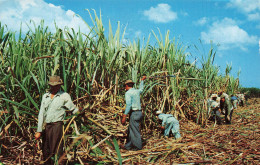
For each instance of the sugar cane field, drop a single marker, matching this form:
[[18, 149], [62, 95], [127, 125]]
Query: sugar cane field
[[93, 68]]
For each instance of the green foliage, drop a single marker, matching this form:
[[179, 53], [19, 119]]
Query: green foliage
[[93, 65], [251, 92], [117, 151]]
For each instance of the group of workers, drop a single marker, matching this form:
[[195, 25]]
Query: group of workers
[[56, 102], [221, 103], [52, 113]]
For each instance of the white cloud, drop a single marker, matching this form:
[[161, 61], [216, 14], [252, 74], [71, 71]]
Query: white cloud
[[249, 7], [202, 21], [161, 13], [255, 16], [15, 12], [228, 34], [245, 5]]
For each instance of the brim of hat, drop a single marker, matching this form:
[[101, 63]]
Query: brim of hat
[[55, 83], [129, 83]]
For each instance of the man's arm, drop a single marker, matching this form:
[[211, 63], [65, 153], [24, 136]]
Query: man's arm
[[128, 101], [40, 119], [164, 118], [163, 121], [141, 86], [128, 107], [69, 104]]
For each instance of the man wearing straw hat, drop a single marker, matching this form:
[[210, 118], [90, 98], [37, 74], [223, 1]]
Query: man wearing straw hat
[[133, 106], [215, 109], [169, 123], [222, 94], [225, 104], [52, 112]]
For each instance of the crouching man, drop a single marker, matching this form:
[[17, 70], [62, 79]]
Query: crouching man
[[226, 105], [169, 123], [234, 101], [215, 109]]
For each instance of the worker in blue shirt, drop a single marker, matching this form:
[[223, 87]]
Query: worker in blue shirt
[[234, 101], [133, 107], [169, 123]]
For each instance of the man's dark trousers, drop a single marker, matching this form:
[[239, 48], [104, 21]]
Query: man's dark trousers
[[51, 141]]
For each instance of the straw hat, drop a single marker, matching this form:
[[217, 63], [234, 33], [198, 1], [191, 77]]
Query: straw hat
[[55, 80], [158, 112], [224, 95], [214, 95], [129, 82]]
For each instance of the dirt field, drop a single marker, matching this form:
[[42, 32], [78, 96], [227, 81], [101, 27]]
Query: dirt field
[[237, 143]]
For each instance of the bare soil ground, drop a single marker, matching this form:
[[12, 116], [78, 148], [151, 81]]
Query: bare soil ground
[[237, 143]]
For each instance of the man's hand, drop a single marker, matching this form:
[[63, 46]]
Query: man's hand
[[80, 109], [143, 78], [123, 119], [37, 135]]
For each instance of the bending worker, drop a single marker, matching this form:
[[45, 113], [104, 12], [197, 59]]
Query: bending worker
[[169, 123], [234, 101], [215, 109], [133, 106], [225, 104]]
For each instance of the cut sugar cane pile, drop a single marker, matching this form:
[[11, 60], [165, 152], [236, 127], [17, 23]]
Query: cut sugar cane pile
[[215, 144], [93, 69]]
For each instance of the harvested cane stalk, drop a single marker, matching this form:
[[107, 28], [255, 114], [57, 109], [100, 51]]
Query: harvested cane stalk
[[100, 142], [102, 127]]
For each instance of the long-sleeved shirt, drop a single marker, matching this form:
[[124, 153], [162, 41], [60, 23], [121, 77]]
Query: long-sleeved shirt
[[170, 123], [233, 98], [226, 105], [53, 110], [165, 117], [132, 98], [225, 95]]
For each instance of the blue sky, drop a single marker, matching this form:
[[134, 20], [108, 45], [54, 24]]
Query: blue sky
[[234, 25]]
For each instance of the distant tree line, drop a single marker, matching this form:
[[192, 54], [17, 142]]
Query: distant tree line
[[251, 92]]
